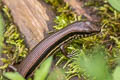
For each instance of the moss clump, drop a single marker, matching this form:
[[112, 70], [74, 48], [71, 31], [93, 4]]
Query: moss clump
[[1, 32], [65, 15], [14, 48], [108, 37]]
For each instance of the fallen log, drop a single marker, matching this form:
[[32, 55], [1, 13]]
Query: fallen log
[[33, 18]]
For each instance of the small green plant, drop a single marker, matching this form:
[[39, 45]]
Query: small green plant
[[115, 4], [42, 72], [94, 63], [116, 73]]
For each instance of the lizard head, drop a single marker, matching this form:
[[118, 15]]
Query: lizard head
[[86, 27]]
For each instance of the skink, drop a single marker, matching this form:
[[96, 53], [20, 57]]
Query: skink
[[50, 44]]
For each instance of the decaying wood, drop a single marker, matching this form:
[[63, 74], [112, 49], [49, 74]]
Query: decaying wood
[[77, 6], [33, 18]]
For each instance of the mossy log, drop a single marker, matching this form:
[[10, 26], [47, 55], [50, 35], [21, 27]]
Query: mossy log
[[34, 19]]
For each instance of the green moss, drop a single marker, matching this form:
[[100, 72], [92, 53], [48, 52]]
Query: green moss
[[65, 15], [1, 32], [14, 47], [108, 37]]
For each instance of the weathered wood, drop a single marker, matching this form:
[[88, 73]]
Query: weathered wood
[[33, 18]]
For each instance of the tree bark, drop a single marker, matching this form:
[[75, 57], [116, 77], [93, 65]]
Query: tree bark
[[33, 18]]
